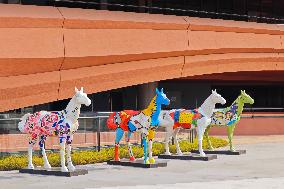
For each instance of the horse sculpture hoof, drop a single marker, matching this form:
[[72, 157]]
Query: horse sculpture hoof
[[31, 166], [180, 153], [152, 160], [71, 168], [132, 158], [64, 169], [168, 153], [147, 161], [202, 154], [116, 159], [47, 166]]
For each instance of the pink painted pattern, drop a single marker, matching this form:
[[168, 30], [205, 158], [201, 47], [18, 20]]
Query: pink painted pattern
[[47, 124]]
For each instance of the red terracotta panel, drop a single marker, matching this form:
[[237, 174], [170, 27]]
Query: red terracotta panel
[[199, 65], [246, 76], [106, 77], [225, 42], [14, 67], [35, 49], [91, 45], [23, 16], [101, 19], [31, 43], [207, 24], [28, 90], [237, 57]]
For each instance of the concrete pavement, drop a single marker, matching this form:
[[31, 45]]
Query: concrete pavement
[[261, 167]]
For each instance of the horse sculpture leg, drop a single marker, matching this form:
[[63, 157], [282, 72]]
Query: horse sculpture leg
[[70, 165], [210, 147], [42, 147], [119, 134], [62, 154], [144, 141], [32, 142], [30, 153], [201, 126], [230, 130], [151, 136], [179, 152], [200, 138], [169, 133], [131, 156]]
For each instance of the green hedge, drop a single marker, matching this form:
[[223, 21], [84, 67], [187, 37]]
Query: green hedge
[[90, 157]]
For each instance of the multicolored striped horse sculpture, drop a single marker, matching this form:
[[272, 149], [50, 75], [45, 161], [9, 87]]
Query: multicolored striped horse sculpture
[[228, 117], [199, 118], [62, 123], [132, 121]]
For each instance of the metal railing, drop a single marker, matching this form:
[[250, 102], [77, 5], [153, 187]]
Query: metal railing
[[95, 122], [88, 123]]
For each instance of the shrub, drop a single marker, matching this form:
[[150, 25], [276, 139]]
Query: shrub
[[16, 162]]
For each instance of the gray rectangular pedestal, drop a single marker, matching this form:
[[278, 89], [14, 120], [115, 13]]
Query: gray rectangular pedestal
[[224, 152], [56, 171], [188, 157], [138, 163]]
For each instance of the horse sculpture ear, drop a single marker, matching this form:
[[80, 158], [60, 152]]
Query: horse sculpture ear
[[162, 90], [81, 89], [76, 90], [157, 91]]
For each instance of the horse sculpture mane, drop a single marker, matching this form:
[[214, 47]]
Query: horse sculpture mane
[[152, 107]]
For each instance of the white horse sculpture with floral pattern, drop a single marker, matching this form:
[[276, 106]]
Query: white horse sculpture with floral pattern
[[62, 123]]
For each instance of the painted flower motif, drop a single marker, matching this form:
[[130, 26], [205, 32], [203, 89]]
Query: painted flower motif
[[50, 124], [234, 108]]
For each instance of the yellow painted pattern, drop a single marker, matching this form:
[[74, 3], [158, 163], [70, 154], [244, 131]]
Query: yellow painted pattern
[[186, 117], [124, 114], [151, 108], [151, 134]]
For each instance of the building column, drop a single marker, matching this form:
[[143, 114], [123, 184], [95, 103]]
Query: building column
[[145, 94]]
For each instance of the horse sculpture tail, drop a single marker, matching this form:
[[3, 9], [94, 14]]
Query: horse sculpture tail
[[21, 124]]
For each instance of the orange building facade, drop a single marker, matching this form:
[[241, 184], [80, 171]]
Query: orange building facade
[[47, 51]]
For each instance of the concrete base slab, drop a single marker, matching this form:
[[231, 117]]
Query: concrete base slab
[[225, 152], [56, 171], [190, 156], [138, 163]]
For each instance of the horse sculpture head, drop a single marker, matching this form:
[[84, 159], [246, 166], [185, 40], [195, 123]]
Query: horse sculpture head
[[245, 98], [217, 98], [161, 97], [81, 97]]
